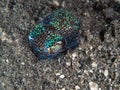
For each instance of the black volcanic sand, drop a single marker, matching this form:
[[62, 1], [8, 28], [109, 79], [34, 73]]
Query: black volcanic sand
[[94, 64]]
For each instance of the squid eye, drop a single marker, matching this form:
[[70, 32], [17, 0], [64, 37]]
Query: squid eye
[[54, 44], [57, 46]]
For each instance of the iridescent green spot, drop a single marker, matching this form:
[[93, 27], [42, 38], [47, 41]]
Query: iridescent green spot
[[37, 30]]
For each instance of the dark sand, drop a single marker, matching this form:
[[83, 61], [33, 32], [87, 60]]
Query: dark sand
[[94, 65]]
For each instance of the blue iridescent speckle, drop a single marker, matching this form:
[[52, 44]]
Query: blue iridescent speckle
[[55, 34]]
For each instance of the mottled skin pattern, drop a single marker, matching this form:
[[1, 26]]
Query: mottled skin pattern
[[55, 34]]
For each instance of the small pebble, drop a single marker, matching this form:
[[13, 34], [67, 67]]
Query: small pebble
[[68, 63], [63, 4], [106, 72], [3, 84], [63, 88], [93, 86], [94, 64], [91, 71], [57, 74], [3, 36], [23, 63], [56, 3], [62, 76], [77, 87], [99, 47], [86, 72], [7, 61], [74, 55]]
